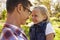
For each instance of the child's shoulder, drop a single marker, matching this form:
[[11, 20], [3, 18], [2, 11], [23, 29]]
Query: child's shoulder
[[49, 24]]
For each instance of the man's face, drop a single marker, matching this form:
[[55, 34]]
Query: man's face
[[24, 14]]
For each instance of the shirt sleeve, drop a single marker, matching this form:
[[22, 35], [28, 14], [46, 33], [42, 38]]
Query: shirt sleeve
[[49, 29], [7, 34]]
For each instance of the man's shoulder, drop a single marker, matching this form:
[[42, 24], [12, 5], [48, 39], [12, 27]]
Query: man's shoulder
[[7, 31]]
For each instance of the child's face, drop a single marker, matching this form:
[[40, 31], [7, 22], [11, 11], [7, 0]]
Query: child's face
[[37, 16]]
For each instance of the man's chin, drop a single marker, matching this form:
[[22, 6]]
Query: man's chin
[[23, 23]]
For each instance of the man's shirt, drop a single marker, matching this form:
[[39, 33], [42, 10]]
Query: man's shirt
[[12, 32]]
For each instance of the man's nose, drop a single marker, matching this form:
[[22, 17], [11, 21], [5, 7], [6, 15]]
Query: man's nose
[[33, 17]]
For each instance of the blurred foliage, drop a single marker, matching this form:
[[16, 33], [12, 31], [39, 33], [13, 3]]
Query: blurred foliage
[[57, 35], [0, 28], [57, 15], [3, 14], [56, 24], [57, 7], [1, 25]]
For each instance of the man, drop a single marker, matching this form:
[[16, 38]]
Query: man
[[17, 14]]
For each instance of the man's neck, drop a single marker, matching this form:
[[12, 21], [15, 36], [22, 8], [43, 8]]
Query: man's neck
[[13, 23], [12, 20]]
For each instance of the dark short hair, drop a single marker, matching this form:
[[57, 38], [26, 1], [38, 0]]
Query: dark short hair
[[11, 4]]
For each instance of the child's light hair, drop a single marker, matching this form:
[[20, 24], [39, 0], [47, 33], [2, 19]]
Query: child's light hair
[[44, 11]]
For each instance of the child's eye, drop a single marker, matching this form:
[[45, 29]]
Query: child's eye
[[34, 15]]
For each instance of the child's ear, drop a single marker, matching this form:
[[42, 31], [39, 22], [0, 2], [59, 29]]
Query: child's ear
[[44, 16]]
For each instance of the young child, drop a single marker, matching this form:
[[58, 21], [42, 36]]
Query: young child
[[42, 28]]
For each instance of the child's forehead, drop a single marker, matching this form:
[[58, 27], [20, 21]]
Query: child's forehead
[[35, 11]]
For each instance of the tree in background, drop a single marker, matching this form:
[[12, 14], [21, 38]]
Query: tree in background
[[3, 14]]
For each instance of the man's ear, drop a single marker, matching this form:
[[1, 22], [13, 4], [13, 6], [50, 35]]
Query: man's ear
[[19, 8]]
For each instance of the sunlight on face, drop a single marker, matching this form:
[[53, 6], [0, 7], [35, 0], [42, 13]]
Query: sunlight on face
[[37, 16]]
